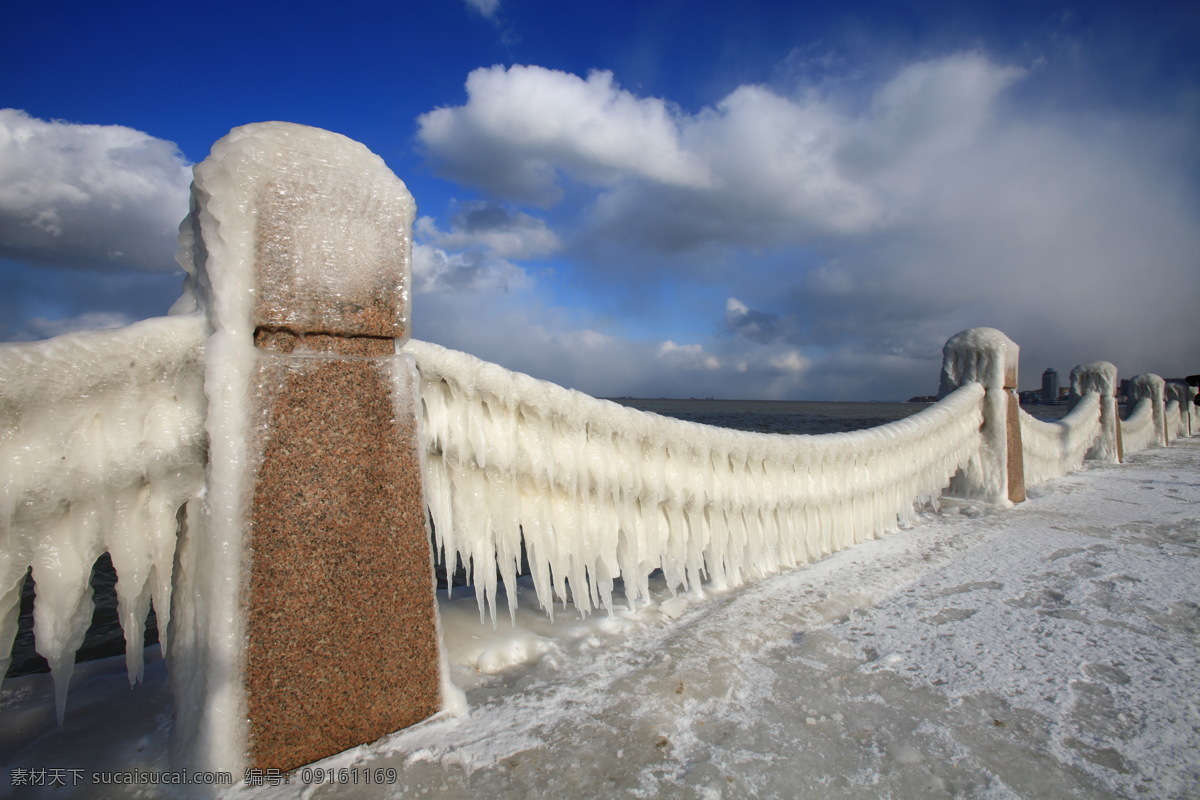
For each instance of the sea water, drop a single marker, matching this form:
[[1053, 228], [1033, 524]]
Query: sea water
[[105, 639]]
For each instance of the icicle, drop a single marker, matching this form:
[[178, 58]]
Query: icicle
[[128, 544], [62, 612], [601, 490], [10, 609]]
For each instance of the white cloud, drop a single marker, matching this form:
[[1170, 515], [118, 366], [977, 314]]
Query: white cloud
[[687, 356], [757, 326], [436, 270], [857, 234], [524, 125], [493, 227], [89, 196], [790, 362], [486, 8]]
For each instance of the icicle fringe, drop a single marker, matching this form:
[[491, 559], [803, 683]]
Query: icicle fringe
[[102, 442], [1138, 430], [600, 491], [1054, 449]]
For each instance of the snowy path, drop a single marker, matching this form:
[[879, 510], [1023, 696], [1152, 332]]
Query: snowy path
[[1049, 651]]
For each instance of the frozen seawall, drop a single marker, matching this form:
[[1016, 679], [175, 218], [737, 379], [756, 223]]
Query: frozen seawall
[[186, 447]]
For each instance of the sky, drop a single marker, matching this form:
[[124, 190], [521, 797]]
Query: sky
[[654, 199]]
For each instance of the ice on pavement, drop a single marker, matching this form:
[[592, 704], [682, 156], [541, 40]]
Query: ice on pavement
[[1040, 652]]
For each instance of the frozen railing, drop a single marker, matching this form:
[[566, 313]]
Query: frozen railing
[[1138, 430], [1054, 449], [1146, 424], [101, 443], [1172, 420], [165, 431], [599, 491], [1181, 393]]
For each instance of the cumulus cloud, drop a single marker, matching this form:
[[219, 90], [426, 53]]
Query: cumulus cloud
[[749, 323], [523, 331], [436, 270], [483, 225], [474, 254], [860, 233], [523, 126], [687, 356], [88, 196]]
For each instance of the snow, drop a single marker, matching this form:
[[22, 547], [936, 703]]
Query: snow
[[1045, 651]]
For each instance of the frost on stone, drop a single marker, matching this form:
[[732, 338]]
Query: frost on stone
[[984, 356], [1100, 378], [1146, 424]]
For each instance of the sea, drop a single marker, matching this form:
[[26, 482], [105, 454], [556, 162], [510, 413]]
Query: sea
[[105, 638]]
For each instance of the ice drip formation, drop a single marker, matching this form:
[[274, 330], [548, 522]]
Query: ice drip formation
[[308, 567], [261, 464]]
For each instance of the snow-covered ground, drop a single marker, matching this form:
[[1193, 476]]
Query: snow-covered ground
[[1044, 652]]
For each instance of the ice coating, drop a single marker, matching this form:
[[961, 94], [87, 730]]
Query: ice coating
[[1054, 449], [1150, 389], [293, 232], [207, 652], [987, 357], [1100, 377], [405, 375], [1183, 394], [326, 245], [981, 355], [103, 442], [598, 490], [1138, 430]]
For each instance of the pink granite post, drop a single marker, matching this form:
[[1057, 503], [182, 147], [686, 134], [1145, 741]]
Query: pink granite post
[[1100, 377], [987, 356], [1151, 387], [309, 592]]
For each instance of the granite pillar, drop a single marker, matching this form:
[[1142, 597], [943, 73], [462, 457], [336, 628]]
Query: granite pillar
[[313, 622], [1100, 377], [1185, 395], [1151, 387], [987, 356]]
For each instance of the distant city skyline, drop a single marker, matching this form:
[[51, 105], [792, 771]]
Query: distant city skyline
[[655, 199]]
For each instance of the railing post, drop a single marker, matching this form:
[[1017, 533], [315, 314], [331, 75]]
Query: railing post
[[987, 356], [1100, 377], [1183, 394], [1152, 387], [307, 613]]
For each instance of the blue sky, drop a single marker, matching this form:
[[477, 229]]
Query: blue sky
[[760, 200]]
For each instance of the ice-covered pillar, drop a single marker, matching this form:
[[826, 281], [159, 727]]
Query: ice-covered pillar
[[1100, 377], [987, 356], [1185, 395], [306, 613], [1152, 388]]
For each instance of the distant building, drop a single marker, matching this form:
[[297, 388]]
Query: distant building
[[1049, 386]]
